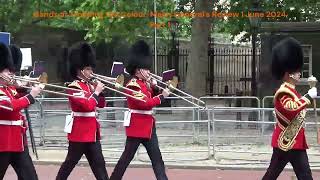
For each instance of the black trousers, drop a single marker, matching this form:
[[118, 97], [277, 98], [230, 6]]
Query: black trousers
[[93, 153], [297, 158], [152, 147], [21, 163]]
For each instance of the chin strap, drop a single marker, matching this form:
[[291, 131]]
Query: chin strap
[[294, 77], [85, 78], [144, 74]]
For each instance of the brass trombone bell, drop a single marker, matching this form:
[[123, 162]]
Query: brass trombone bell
[[120, 79], [173, 83]]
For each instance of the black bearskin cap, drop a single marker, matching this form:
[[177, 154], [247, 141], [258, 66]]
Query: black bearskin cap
[[5, 58], [16, 57], [139, 57], [287, 56], [80, 55]]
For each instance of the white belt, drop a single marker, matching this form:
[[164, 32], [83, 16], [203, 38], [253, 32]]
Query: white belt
[[141, 111], [11, 123], [84, 114]]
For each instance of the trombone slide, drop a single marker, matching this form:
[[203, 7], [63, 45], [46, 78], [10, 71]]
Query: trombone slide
[[201, 107], [117, 85], [54, 92], [176, 89], [46, 84], [124, 94]]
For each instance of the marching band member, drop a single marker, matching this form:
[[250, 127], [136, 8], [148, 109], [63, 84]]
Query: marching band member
[[140, 123], [84, 129], [13, 144], [288, 139], [17, 61]]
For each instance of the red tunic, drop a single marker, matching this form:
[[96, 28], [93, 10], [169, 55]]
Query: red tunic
[[84, 129], [288, 104], [12, 136], [141, 124]]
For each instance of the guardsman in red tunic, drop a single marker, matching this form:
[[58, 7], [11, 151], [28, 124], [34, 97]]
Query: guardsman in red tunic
[[13, 144], [139, 121], [288, 139], [84, 131]]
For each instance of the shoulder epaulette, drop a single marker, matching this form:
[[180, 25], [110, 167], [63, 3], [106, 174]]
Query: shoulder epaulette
[[133, 83], [75, 84], [285, 90], [2, 93]]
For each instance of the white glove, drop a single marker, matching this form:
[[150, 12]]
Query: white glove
[[312, 92], [35, 91], [165, 92], [153, 82]]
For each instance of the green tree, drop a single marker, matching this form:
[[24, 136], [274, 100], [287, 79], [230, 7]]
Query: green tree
[[15, 14], [108, 23], [285, 11], [198, 59]]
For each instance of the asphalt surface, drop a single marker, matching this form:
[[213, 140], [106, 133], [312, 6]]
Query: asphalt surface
[[48, 172]]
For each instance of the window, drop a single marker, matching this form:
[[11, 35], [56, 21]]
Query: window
[[307, 63]]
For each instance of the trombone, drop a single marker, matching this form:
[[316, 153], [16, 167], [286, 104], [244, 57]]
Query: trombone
[[118, 83], [42, 80], [172, 84]]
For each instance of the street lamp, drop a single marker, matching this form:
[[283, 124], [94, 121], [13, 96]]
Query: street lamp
[[211, 62], [255, 21], [174, 52], [173, 26]]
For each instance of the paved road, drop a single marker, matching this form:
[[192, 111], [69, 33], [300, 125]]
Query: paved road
[[48, 172]]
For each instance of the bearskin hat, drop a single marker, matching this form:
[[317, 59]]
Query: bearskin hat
[[287, 56], [80, 55], [139, 57], [16, 56], [5, 58]]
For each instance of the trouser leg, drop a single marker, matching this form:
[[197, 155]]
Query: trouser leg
[[23, 165], [75, 152], [279, 160], [96, 161], [4, 163], [300, 163], [131, 147], [153, 150]]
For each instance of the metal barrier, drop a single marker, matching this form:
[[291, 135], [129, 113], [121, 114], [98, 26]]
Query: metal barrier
[[204, 98], [263, 111], [52, 111], [310, 119], [231, 142], [216, 107], [181, 130]]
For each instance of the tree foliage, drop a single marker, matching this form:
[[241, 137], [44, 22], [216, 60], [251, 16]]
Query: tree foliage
[[274, 10], [113, 19], [14, 14]]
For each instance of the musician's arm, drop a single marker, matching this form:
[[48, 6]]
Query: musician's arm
[[292, 105]]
